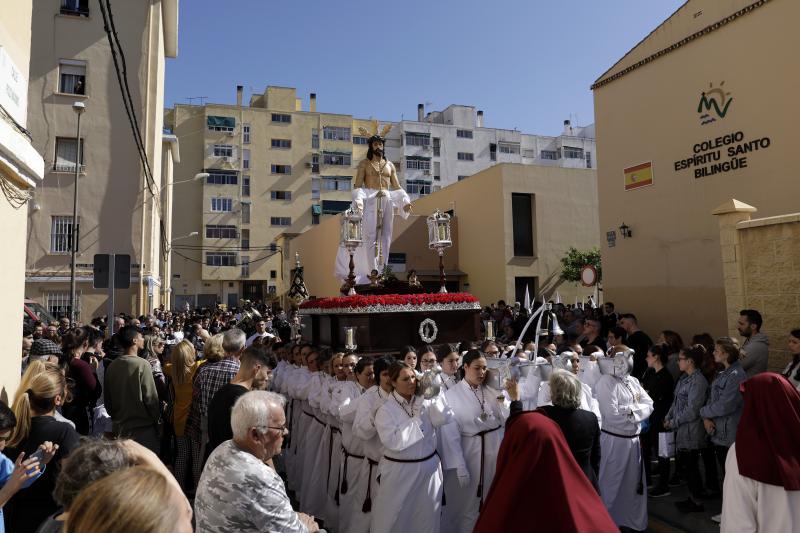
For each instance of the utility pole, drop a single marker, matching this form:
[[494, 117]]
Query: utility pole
[[78, 108]]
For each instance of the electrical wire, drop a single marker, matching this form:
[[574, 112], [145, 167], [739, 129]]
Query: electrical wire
[[201, 262]]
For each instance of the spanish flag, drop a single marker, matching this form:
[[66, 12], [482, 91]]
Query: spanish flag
[[638, 176]]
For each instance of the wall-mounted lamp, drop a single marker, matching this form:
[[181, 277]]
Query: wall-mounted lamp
[[625, 231]]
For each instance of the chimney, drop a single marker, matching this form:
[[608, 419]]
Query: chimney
[[567, 127], [421, 113], [312, 103], [239, 91], [479, 123]]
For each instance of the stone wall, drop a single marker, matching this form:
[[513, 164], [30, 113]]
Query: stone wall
[[761, 268]]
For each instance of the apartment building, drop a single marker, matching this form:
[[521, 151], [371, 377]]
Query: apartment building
[[254, 176], [21, 171], [122, 207]]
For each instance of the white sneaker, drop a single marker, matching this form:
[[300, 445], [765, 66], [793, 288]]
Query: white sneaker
[[717, 518]]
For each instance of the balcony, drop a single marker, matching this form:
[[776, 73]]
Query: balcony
[[68, 168], [75, 8]]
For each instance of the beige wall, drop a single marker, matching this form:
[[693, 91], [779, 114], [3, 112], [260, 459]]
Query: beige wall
[[761, 268], [116, 215], [670, 272], [565, 214]]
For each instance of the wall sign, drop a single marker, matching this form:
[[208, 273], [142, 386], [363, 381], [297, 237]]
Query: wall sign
[[638, 176], [721, 154]]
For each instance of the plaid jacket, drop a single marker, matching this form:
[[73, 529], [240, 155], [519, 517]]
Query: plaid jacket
[[208, 379]]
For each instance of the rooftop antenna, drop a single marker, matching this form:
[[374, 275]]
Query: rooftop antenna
[[193, 98]]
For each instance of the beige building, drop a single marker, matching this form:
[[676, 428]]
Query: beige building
[[121, 210], [21, 171], [272, 168], [709, 101], [512, 224]]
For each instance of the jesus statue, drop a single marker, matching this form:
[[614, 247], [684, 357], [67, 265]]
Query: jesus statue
[[377, 194]]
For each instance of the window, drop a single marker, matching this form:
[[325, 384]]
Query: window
[[282, 118], [358, 139], [334, 207], [58, 303], [281, 169], [78, 8], [281, 143], [466, 156], [280, 221], [493, 152], [333, 133], [315, 187], [315, 163], [273, 274], [221, 205], [573, 153], [245, 213], [437, 147], [245, 266], [222, 178], [245, 133], [72, 77], [226, 124], [522, 220], [418, 187], [315, 139], [215, 231], [418, 163], [418, 139], [314, 219], [245, 185], [245, 239], [223, 150], [549, 154], [221, 259], [529, 153], [336, 183], [509, 148], [464, 134], [336, 158], [588, 159], [245, 158], [61, 235], [437, 170], [280, 195], [66, 154]]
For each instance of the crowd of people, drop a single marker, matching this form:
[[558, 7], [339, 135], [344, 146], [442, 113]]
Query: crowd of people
[[229, 421]]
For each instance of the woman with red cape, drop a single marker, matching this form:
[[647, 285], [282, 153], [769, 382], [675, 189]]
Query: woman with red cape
[[534, 453]]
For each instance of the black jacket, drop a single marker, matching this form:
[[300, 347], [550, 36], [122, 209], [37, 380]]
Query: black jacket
[[582, 432], [660, 387]]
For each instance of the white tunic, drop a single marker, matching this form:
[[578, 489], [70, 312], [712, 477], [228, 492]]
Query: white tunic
[[312, 489], [623, 404], [345, 401], [749, 505], [296, 389], [364, 430], [462, 447], [332, 451], [409, 499]]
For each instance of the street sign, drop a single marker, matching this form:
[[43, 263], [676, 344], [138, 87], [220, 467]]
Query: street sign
[[100, 270], [122, 271], [119, 263]]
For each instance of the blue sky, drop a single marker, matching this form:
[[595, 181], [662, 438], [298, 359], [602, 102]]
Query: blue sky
[[527, 64]]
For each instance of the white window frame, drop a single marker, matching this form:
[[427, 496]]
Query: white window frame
[[220, 259], [337, 183], [74, 68], [508, 148], [417, 164], [280, 195], [61, 234], [281, 144], [337, 160], [466, 156], [222, 205], [245, 185], [464, 134], [223, 150], [282, 118], [57, 302], [275, 169], [316, 187], [245, 133], [337, 133], [280, 221], [221, 231], [65, 156]]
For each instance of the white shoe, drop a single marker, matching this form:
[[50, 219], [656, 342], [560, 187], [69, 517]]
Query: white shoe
[[717, 518]]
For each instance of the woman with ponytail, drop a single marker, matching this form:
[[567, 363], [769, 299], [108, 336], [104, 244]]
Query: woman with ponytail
[[34, 409], [86, 389]]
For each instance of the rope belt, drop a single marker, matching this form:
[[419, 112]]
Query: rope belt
[[314, 417], [409, 460], [330, 454], [482, 435], [640, 485], [367, 507], [347, 455]]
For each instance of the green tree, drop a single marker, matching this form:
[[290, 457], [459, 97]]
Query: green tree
[[575, 260]]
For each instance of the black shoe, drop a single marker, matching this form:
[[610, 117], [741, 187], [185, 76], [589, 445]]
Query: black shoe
[[689, 506], [660, 492], [710, 495], [675, 481]]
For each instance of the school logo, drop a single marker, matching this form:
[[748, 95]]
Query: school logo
[[714, 104]]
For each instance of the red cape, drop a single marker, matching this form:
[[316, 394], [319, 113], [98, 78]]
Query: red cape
[[538, 486], [768, 436]]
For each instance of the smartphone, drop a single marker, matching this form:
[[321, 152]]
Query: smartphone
[[38, 454]]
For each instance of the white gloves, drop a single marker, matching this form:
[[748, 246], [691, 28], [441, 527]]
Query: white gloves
[[463, 476]]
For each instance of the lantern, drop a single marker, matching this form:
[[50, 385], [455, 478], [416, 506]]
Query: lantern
[[351, 237], [439, 231]]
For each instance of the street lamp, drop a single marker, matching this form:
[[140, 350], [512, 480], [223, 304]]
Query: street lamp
[[78, 108], [192, 234], [198, 176]]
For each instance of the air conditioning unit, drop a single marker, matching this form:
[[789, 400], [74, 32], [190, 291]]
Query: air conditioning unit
[[308, 164], [227, 159]]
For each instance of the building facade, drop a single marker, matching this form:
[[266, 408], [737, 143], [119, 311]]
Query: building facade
[[701, 111], [122, 181], [512, 224], [272, 169], [21, 172]]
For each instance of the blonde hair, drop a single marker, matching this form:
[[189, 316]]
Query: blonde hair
[[183, 357], [212, 349], [132, 499], [150, 342], [34, 367], [37, 398]]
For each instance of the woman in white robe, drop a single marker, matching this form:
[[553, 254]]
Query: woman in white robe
[[409, 499], [297, 388], [471, 442], [624, 404], [312, 493]]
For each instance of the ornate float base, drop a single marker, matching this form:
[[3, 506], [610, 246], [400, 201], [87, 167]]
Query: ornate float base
[[387, 323]]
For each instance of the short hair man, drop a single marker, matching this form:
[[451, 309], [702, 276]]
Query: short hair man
[[755, 350], [255, 372], [237, 490], [592, 334], [261, 332], [130, 392], [638, 340]]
